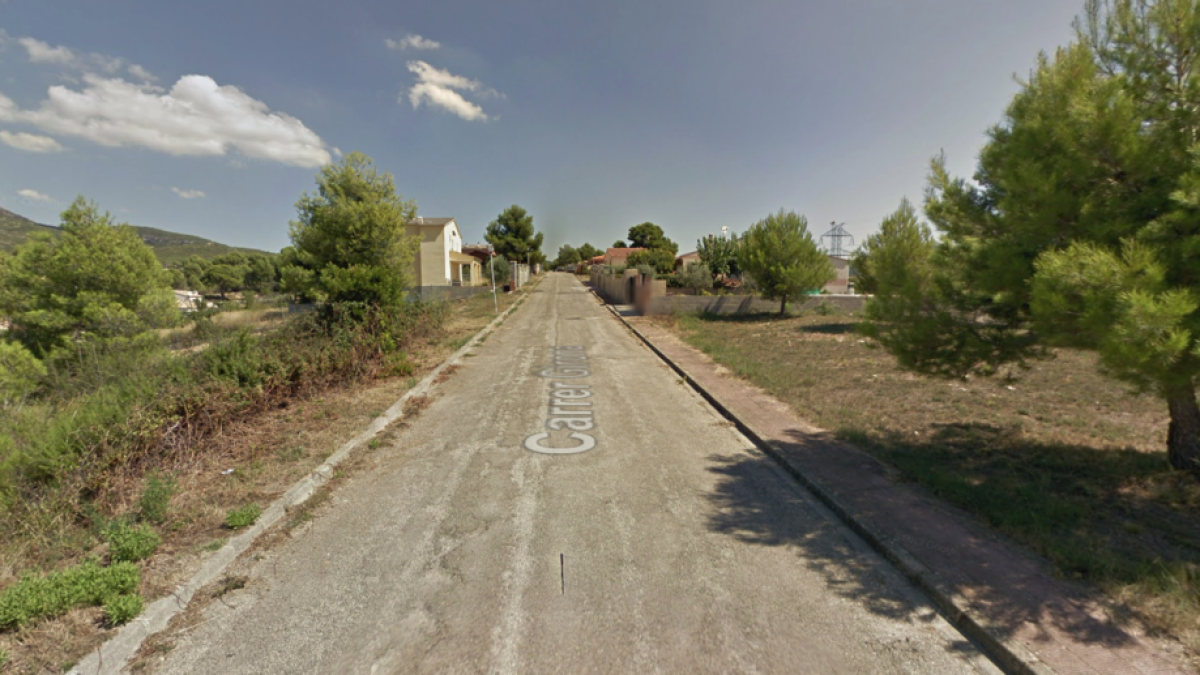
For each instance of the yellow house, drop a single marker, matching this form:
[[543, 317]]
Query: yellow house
[[440, 260]]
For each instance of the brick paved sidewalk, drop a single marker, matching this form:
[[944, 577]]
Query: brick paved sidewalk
[[1003, 597]]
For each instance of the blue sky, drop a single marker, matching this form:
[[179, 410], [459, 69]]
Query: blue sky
[[212, 117]]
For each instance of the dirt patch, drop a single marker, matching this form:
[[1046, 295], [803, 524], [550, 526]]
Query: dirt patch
[[1068, 462]]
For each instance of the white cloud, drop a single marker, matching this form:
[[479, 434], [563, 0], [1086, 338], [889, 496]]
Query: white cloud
[[436, 87], [412, 41], [141, 73], [41, 52], [188, 194], [30, 142], [34, 195], [196, 117]]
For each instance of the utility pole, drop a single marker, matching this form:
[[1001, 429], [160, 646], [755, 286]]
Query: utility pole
[[492, 266]]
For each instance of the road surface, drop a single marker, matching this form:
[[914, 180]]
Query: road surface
[[663, 543]]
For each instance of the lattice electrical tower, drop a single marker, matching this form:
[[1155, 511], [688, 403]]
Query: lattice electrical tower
[[837, 241]]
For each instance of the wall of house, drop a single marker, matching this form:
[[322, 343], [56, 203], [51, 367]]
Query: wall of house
[[431, 257], [840, 283]]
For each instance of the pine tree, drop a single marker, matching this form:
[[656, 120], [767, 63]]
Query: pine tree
[[781, 257], [1082, 227]]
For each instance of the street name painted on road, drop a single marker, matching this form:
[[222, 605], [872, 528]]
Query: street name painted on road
[[569, 404]]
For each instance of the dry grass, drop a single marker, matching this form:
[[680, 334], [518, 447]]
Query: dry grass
[[267, 454], [1062, 459]]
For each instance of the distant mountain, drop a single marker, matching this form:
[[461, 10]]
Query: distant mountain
[[170, 247]]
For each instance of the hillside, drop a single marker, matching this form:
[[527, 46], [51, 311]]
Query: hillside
[[170, 247]]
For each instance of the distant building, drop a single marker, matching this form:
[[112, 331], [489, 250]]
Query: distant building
[[189, 301], [617, 256], [843, 283], [684, 260], [440, 261]]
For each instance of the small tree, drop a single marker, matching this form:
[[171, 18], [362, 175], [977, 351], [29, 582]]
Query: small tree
[[502, 269], [618, 244], [350, 236], [649, 235], [719, 254], [513, 236], [896, 256], [784, 261], [98, 280]]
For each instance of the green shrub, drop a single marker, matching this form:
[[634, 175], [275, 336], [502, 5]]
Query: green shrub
[[825, 308], [156, 498], [86, 584], [121, 609], [131, 543], [243, 516], [20, 372]]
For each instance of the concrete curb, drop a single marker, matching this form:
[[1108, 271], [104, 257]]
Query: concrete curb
[[1006, 652], [112, 656]]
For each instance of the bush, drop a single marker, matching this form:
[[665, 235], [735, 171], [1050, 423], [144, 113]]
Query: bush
[[243, 516], [156, 498], [54, 594], [696, 276], [121, 609], [648, 270], [129, 543], [20, 372]]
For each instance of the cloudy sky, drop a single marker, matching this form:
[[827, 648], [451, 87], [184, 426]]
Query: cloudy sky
[[213, 117]]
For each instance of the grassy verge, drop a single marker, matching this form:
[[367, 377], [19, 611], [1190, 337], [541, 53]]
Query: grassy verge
[[1063, 460], [183, 494]]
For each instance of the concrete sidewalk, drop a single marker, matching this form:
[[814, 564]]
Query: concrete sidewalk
[[1003, 597]]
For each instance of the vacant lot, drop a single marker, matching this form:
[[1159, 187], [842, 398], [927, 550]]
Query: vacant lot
[[247, 465], [1067, 462]]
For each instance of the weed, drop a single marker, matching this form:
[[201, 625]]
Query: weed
[[121, 609], [131, 543], [243, 516], [156, 498], [229, 585], [4, 657], [825, 308], [375, 443], [86, 584], [292, 454], [215, 544]]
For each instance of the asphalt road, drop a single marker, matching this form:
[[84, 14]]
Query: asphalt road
[[671, 545]]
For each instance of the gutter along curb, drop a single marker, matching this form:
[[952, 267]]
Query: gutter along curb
[[112, 656], [1007, 652]]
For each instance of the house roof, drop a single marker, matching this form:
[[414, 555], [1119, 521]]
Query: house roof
[[619, 254], [694, 255], [430, 222]]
